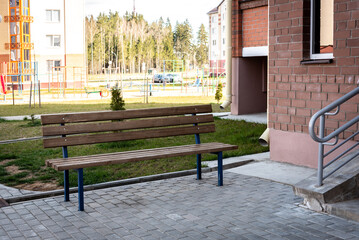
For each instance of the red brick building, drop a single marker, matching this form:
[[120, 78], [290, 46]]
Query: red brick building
[[312, 60]]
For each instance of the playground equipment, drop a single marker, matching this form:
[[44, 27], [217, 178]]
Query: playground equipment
[[3, 86], [103, 91], [66, 79], [14, 73], [176, 65]]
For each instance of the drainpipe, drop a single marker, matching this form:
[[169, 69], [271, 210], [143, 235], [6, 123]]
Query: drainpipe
[[264, 138], [228, 100]]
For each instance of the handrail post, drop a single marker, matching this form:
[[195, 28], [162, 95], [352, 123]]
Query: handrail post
[[321, 151]]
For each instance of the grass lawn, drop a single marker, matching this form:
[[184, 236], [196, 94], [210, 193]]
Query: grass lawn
[[22, 164], [104, 104]]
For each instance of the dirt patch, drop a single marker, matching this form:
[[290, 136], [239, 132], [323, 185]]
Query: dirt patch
[[36, 186], [6, 161], [13, 170], [39, 186]]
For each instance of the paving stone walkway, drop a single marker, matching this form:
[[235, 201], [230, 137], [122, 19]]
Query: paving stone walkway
[[8, 192], [179, 208]]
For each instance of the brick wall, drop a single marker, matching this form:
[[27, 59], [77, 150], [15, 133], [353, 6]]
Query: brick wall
[[297, 91], [236, 29], [255, 26], [249, 25]]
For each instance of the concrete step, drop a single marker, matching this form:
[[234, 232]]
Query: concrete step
[[347, 209], [341, 186]]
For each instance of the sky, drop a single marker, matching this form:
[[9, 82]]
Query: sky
[[176, 10]]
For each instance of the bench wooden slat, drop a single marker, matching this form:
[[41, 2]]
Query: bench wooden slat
[[106, 155], [111, 155], [123, 157], [126, 114], [122, 136], [125, 125], [141, 154]]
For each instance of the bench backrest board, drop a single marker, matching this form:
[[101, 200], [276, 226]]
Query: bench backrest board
[[100, 127]]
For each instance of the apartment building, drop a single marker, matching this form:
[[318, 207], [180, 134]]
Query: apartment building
[[54, 33], [293, 58], [217, 38]]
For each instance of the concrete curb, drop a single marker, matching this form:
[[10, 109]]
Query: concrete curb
[[156, 177]]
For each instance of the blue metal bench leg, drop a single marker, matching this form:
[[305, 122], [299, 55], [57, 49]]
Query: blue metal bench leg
[[80, 185], [220, 169], [66, 186], [199, 166]]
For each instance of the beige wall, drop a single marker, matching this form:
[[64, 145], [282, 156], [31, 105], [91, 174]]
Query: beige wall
[[4, 27], [75, 60]]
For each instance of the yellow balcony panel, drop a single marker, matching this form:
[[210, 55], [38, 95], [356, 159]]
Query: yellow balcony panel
[[27, 46], [27, 19]]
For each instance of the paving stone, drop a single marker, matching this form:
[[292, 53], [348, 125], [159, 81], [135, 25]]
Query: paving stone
[[180, 208]]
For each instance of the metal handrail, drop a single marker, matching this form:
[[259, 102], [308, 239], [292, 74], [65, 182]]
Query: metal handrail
[[326, 111], [323, 140]]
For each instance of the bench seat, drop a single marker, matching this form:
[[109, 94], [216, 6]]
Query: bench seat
[[137, 155]]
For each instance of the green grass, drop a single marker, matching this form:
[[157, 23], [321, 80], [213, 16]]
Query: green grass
[[29, 157], [104, 104]]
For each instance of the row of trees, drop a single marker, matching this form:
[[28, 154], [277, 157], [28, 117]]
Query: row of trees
[[129, 41]]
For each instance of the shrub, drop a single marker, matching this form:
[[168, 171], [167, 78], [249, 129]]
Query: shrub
[[219, 94], [117, 102]]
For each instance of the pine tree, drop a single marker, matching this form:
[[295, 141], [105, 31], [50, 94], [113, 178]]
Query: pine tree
[[117, 102], [182, 37], [202, 46]]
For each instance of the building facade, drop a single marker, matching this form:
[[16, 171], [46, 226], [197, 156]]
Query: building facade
[[217, 39], [57, 34], [305, 55]]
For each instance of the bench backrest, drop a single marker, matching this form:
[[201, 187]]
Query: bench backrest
[[100, 127]]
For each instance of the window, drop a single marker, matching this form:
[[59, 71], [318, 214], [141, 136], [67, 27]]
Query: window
[[321, 25], [26, 55], [224, 41], [53, 15], [53, 63], [214, 42], [53, 40], [224, 53]]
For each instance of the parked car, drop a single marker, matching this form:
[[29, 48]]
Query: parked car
[[213, 74], [158, 78], [173, 77]]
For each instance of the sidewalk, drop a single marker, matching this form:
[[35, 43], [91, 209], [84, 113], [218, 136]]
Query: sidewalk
[[245, 207], [256, 202]]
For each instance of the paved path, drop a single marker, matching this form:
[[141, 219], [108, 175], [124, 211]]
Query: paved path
[[180, 208]]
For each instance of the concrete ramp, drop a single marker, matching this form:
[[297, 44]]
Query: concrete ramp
[[343, 185]]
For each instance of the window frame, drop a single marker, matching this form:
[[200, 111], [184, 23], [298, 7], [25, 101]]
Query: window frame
[[52, 45], [314, 22], [56, 68], [52, 15]]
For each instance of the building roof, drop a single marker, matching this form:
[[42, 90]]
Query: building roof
[[215, 10]]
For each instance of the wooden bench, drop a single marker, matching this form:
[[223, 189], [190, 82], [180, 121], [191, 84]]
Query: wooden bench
[[101, 127]]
